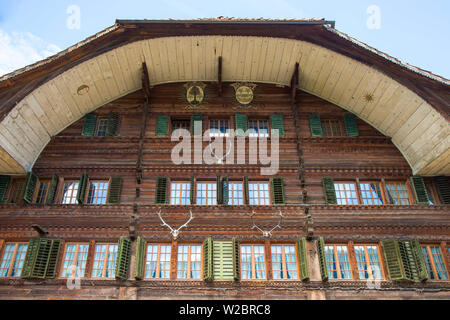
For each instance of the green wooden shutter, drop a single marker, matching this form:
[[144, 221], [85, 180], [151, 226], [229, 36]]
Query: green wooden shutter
[[223, 264], [81, 194], [4, 183], [112, 128], [421, 266], [351, 127], [443, 187], [408, 260], [51, 195], [420, 190], [162, 183], [208, 260], [329, 191], [39, 269], [246, 191], [123, 258], [236, 260], [226, 190], [162, 125], [322, 259], [315, 125], [277, 191], [393, 260], [30, 187], [115, 190], [41, 259], [241, 124], [303, 263], [53, 259], [192, 189], [197, 125], [30, 258], [219, 190], [277, 121], [89, 125], [139, 264]]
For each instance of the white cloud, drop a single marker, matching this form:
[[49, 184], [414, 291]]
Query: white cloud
[[20, 49]]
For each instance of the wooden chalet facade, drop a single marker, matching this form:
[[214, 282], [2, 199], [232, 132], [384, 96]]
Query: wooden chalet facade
[[86, 166]]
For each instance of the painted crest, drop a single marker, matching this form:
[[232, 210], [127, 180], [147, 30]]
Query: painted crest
[[244, 92], [195, 93]]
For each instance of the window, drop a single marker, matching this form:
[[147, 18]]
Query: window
[[284, 262], [13, 259], [368, 262], [17, 191], [207, 193], [181, 124], [105, 261], [102, 126], [70, 192], [98, 191], [252, 262], [429, 188], [371, 193], [331, 127], [338, 262], [435, 263], [258, 128], [397, 193], [346, 193], [157, 265], [41, 196], [219, 128], [189, 262], [74, 263], [180, 193], [235, 194], [259, 193]]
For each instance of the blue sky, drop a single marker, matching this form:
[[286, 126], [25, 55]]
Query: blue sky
[[416, 32]]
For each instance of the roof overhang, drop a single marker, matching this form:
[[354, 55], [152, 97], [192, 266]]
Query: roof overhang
[[409, 105]]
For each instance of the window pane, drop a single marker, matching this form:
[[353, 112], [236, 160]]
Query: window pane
[[346, 193], [102, 125], [97, 192], [42, 192], [70, 193], [13, 259], [371, 193], [331, 128], [17, 192], [157, 265], [284, 262], [259, 193], [235, 194], [438, 263], [206, 193], [74, 263], [180, 193], [397, 193]]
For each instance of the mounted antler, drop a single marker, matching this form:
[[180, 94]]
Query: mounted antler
[[176, 232], [267, 234]]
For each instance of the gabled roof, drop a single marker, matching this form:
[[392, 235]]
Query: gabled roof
[[430, 92]]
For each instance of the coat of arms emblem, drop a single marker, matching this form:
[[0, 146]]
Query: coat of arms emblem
[[195, 93], [244, 92]]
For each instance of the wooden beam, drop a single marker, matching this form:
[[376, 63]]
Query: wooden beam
[[220, 77], [145, 81], [294, 82]]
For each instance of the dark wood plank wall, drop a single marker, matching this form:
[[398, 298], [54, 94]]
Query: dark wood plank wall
[[364, 157]]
